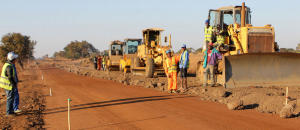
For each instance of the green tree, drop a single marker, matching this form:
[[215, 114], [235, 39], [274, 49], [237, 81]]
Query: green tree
[[79, 49], [18, 43]]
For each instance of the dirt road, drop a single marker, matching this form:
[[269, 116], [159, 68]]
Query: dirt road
[[102, 104]]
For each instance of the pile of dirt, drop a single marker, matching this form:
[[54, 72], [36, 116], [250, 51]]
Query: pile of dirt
[[263, 99]]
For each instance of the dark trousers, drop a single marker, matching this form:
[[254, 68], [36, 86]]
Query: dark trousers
[[95, 66], [10, 94]]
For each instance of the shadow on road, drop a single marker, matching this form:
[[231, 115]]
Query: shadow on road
[[111, 103]]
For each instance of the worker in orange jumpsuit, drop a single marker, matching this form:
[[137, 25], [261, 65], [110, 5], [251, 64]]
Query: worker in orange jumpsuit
[[99, 62], [171, 71]]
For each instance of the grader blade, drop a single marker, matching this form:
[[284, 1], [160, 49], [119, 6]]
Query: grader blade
[[262, 69]]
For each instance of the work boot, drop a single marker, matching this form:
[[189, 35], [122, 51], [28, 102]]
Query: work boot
[[18, 111]]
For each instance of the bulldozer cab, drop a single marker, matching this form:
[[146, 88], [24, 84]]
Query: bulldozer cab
[[225, 16], [116, 48], [152, 37], [131, 45]]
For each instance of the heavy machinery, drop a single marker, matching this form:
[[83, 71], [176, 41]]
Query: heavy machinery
[[249, 53], [151, 53], [115, 53], [129, 53]]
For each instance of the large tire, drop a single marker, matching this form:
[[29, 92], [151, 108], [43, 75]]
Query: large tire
[[149, 68]]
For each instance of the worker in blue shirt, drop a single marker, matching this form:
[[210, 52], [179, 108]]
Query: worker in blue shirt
[[183, 66]]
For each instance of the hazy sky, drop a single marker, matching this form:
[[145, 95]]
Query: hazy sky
[[54, 23]]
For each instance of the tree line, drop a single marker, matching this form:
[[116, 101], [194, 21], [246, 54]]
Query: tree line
[[19, 44]]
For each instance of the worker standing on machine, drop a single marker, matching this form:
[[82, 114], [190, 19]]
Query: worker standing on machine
[[220, 37], [208, 31], [211, 55], [184, 65], [171, 71]]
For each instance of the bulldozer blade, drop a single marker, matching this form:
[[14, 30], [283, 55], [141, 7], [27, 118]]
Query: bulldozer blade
[[262, 69]]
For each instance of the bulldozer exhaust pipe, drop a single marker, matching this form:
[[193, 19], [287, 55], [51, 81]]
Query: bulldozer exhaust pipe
[[170, 45], [243, 13]]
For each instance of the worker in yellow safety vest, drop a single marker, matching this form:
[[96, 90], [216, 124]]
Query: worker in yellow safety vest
[[208, 31], [220, 37], [171, 71], [9, 81], [104, 63]]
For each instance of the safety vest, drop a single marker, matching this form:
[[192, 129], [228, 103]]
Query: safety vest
[[220, 39], [183, 58], [172, 67], [208, 33], [4, 82]]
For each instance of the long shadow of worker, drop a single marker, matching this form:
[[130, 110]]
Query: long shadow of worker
[[111, 103]]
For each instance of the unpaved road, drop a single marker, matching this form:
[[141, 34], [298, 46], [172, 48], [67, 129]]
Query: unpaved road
[[102, 104]]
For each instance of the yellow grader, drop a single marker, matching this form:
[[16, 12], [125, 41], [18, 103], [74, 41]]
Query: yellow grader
[[250, 56], [151, 54], [130, 48], [115, 53]]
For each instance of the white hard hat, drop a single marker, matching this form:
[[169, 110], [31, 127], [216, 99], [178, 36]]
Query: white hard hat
[[11, 56]]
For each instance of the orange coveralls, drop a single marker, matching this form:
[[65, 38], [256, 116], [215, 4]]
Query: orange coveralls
[[171, 70]]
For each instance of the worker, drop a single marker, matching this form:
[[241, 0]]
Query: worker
[[211, 55], [99, 62], [104, 63], [95, 62], [208, 31], [171, 71], [220, 37], [184, 65], [9, 81]]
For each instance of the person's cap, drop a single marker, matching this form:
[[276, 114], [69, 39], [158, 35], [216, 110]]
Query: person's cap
[[168, 51], [206, 21], [211, 44], [11, 56], [183, 46]]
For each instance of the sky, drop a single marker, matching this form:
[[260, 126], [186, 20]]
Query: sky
[[55, 23]]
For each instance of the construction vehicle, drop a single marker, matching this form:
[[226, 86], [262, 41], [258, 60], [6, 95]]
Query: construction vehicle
[[129, 53], [151, 54], [115, 53], [250, 56]]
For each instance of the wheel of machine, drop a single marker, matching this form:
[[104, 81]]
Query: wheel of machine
[[149, 68], [136, 62]]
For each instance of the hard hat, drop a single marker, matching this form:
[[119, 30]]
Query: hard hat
[[11, 56], [183, 46], [168, 51], [206, 21]]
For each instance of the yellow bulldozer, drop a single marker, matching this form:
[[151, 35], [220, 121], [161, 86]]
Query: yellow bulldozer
[[151, 54], [115, 53], [250, 56]]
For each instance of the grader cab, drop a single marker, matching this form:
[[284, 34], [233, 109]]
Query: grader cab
[[130, 48], [151, 54], [250, 56]]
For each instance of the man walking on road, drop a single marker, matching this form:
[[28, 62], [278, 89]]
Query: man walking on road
[[9, 81], [183, 66], [95, 59], [211, 55], [171, 71]]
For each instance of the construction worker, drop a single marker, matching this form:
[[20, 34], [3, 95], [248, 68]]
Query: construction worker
[[184, 65], [99, 62], [95, 59], [208, 32], [104, 63], [171, 71], [211, 55], [9, 81], [220, 37]]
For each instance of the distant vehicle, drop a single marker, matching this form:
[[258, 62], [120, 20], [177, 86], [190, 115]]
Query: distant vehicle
[[129, 53]]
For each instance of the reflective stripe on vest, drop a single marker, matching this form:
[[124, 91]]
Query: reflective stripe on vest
[[220, 39], [208, 33], [4, 82], [173, 66], [183, 59]]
